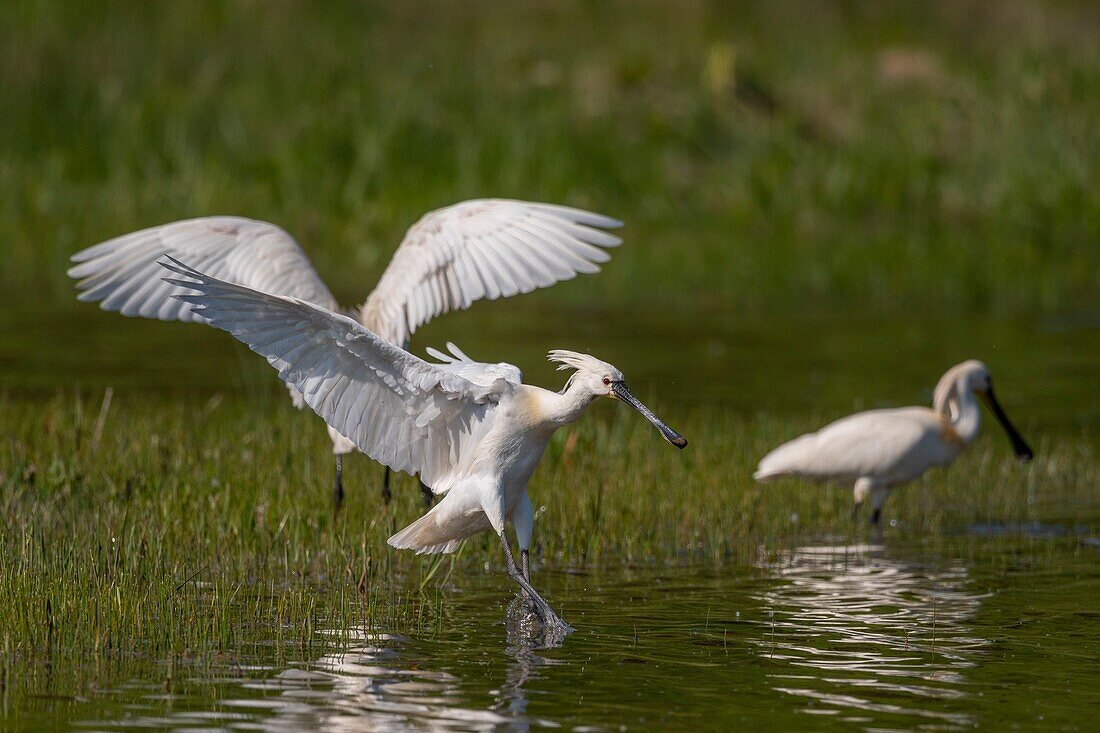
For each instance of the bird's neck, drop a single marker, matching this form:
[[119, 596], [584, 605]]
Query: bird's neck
[[960, 409], [562, 408]]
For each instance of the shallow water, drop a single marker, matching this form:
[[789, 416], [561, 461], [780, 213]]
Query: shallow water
[[874, 636], [826, 363], [992, 625]]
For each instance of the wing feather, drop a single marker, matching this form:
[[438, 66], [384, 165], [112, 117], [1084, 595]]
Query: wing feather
[[406, 413], [123, 274], [485, 248], [873, 443]]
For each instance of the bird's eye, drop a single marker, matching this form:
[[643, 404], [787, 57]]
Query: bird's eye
[[607, 380]]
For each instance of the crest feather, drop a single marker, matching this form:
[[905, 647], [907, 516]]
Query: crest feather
[[575, 360]]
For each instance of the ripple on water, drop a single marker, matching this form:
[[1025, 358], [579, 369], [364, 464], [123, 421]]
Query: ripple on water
[[366, 686], [882, 638], [855, 632]]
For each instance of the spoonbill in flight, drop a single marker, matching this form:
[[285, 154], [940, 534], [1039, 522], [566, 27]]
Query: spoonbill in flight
[[488, 248], [880, 449], [473, 431]]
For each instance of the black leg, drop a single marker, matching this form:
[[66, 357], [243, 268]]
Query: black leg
[[876, 517], [855, 512], [386, 495], [525, 568], [338, 485], [427, 493], [546, 614]]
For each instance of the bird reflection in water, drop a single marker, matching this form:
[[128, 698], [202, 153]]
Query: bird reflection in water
[[372, 686], [379, 682], [868, 637], [525, 636]]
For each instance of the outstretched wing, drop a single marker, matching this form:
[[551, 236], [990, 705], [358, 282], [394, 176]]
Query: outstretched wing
[[123, 274], [486, 248], [398, 409]]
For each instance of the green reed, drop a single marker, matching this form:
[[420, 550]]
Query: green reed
[[192, 529]]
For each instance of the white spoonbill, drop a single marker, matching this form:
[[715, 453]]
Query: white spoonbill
[[880, 449], [473, 431], [487, 248]]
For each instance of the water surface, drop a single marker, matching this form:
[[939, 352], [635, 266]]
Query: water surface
[[827, 362], [872, 636]]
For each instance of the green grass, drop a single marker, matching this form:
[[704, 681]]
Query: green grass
[[177, 530], [763, 154]]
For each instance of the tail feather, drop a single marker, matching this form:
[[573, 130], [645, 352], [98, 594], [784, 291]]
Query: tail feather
[[425, 536]]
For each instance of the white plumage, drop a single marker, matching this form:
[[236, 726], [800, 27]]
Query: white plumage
[[482, 249], [488, 248], [473, 431], [879, 449]]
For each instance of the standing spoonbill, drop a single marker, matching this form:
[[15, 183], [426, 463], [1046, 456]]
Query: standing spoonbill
[[487, 248], [473, 431], [880, 449]]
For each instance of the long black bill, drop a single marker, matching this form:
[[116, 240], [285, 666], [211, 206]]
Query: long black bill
[[620, 390], [1023, 451]]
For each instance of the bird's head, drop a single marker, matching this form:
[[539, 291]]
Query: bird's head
[[601, 379], [973, 376]]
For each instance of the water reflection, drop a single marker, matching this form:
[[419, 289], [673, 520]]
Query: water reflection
[[859, 634], [524, 637], [371, 685], [864, 636]]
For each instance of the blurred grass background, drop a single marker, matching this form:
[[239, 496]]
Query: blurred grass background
[[894, 155]]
